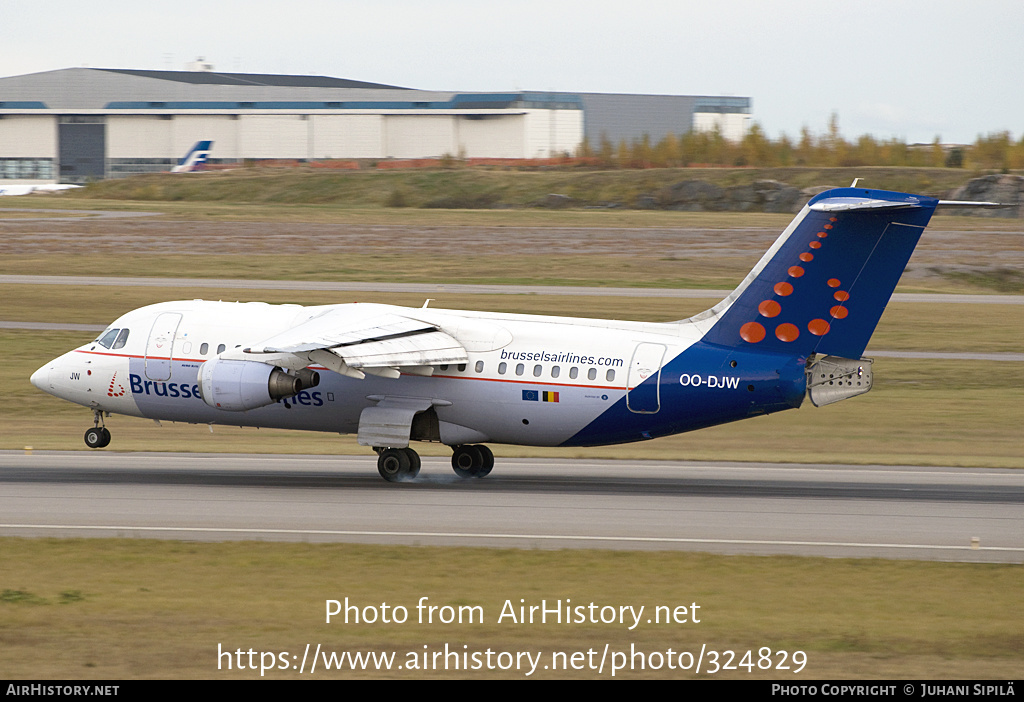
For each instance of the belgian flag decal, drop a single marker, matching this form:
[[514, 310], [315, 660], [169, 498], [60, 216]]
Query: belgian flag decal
[[540, 396]]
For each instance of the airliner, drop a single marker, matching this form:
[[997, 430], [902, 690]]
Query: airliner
[[27, 189], [192, 162], [796, 327], [195, 159]]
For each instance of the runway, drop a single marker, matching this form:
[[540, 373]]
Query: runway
[[927, 513]]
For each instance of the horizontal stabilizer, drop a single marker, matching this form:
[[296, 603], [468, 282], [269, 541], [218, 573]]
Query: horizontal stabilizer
[[963, 203], [846, 204]]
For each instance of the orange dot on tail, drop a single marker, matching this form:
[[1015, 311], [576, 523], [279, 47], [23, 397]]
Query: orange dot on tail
[[833, 282], [783, 289], [769, 308], [839, 312], [818, 327], [833, 219], [815, 244], [806, 257], [752, 332], [827, 226], [842, 295], [822, 235], [796, 271], [787, 332]]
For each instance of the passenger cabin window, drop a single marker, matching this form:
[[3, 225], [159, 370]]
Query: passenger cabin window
[[592, 374], [555, 371], [462, 367], [502, 367], [520, 368], [479, 366], [574, 372], [537, 370], [203, 348], [220, 348], [610, 375]]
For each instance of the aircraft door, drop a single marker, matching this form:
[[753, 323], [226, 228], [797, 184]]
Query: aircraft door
[[160, 346], [643, 384]]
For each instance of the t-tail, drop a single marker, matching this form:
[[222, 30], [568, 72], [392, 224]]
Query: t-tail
[[195, 159], [819, 291]]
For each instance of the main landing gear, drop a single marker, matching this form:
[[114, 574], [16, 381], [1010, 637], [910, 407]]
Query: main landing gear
[[400, 464], [472, 461], [99, 435], [397, 464]]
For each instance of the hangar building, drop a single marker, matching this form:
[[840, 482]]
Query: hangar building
[[76, 124]]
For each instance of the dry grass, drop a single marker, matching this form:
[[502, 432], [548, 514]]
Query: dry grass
[[124, 609]]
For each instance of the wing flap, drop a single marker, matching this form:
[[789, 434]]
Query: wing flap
[[421, 349], [337, 330]]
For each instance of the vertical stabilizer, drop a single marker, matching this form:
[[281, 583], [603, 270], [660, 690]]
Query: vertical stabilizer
[[195, 159], [824, 284]]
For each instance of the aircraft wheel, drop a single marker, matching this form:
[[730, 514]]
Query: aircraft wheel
[[472, 461], [97, 437], [414, 462], [488, 461], [394, 465], [465, 460]]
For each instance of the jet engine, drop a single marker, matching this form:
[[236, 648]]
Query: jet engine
[[237, 386]]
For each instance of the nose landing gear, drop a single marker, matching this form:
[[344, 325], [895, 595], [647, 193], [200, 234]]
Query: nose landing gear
[[99, 435]]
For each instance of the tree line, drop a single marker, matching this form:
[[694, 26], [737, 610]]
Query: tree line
[[994, 151]]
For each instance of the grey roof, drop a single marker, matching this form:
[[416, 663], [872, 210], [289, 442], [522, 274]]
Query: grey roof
[[70, 89], [264, 79]]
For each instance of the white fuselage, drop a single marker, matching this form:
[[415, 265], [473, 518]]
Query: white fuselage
[[529, 379]]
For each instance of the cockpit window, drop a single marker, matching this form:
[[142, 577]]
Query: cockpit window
[[107, 340], [122, 339]]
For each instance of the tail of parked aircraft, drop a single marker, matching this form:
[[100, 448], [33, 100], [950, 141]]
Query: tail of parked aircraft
[[822, 287], [195, 159]]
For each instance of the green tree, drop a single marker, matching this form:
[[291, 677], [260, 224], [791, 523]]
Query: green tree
[[756, 149]]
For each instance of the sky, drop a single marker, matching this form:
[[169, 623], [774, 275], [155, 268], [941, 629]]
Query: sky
[[912, 70]]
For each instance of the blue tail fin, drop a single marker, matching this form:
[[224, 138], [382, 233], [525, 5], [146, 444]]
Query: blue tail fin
[[824, 284], [195, 159]]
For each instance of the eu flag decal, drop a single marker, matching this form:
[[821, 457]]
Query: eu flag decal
[[540, 396]]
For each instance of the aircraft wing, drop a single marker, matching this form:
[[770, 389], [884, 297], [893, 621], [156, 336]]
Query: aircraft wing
[[354, 341]]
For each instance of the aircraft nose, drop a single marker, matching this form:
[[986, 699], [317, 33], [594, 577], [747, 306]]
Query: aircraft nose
[[41, 378]]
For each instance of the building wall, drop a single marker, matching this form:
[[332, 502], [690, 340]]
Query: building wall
[[28, 136], [733, 126], [490, 136], [273, 136], [162, 139], [553, 132], [416, 136], [630, 117], [347, 136]]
